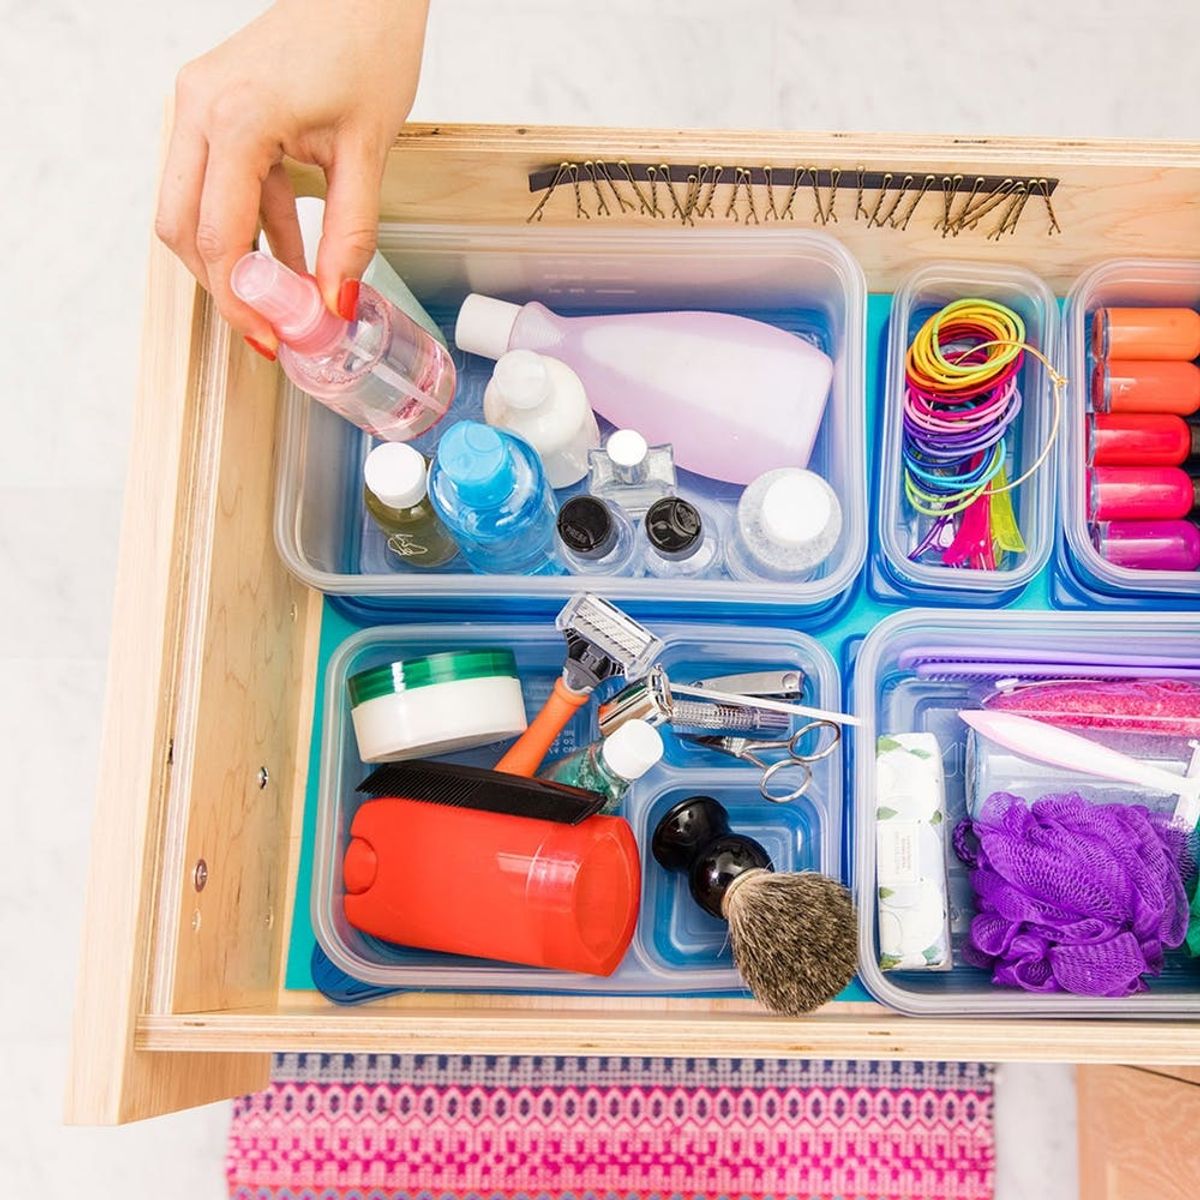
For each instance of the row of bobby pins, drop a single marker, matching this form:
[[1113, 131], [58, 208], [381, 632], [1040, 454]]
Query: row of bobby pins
[[690, 194]]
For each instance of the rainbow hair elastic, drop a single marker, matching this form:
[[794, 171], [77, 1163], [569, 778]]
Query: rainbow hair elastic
[[961, 399]]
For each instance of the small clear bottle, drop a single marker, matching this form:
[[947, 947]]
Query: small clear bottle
[[491, 492], [595, 537], [611, 765], [788, 523], [541, 399], [678, 542], [395, 492], [630, 473]]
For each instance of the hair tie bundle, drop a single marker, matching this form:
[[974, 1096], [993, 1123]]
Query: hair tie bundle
[[961, 399]]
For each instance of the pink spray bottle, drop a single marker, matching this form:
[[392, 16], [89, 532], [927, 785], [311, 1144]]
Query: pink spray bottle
[[381, 371], [733, 396]]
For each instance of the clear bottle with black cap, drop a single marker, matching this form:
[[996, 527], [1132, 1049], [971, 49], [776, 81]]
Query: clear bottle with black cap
[[679, 541], [596, 538]]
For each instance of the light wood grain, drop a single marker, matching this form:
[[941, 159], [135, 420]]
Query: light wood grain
[[1139, 1135], [246, 692], [1185, 1074], [680, 1028], [1114, 197], [110, 1080]]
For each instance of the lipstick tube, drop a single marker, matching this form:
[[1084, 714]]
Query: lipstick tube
[[1149, 545], [1145, 386], [1140, 493], [1146, 333], [1141, 440]]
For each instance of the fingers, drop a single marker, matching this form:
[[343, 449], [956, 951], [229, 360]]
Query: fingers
[[351, 221], [226, 225], [179, 196], [278, 207]]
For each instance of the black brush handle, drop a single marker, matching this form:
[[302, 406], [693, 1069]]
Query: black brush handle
[[695, 837]]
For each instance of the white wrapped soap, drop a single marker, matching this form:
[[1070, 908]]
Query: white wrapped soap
[[910, 854]]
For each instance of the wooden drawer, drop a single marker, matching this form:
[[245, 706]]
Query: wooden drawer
[[214, 644]]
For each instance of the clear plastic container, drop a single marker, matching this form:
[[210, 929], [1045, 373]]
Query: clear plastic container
[[925, 291], [890, 698], [1126, 282], [677, 948], [800, 280]]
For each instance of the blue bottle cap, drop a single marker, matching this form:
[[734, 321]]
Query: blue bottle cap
[[479, 463]]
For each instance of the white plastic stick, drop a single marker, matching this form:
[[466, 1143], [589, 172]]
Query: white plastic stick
[[1057, 747], [801, 710]]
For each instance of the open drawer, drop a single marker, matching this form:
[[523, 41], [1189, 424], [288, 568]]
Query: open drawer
[[215, 645]]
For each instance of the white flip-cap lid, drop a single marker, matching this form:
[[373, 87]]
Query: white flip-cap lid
[[627, 448], [396, 474], [797, 507], [633, 749], [310, 213], [521, 379], [484, 325]]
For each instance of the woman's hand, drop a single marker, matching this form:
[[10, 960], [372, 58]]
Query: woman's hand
[[327, 82]]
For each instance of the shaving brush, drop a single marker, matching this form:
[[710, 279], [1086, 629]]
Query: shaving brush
[[794, 935]]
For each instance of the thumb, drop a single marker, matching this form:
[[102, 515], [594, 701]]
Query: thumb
[[351, 223]]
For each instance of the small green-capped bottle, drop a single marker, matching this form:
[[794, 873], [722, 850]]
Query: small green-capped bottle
[[396, 495]]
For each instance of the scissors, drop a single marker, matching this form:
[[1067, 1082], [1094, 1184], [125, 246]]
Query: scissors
[[753, 751]]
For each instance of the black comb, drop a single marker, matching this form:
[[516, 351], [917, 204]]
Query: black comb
[[482, 789]]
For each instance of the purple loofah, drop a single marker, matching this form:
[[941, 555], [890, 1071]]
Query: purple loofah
[[1073, 896]]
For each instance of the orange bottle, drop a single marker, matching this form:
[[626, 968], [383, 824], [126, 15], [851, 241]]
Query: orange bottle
[[1146, 386], [1146, 333], [492, 885]]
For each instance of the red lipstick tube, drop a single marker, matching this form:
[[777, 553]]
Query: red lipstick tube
[[1141, 440]]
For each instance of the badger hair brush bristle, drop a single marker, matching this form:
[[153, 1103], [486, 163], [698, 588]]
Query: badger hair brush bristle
[[794, 938], [794, 934]]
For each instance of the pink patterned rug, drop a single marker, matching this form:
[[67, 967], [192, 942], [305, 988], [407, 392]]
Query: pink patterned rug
[[378, 1127]]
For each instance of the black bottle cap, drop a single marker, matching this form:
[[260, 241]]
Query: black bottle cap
[[674, 527], [586, 527], [694, 837]]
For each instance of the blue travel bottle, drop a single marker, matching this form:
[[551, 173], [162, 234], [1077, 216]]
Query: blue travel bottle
[[490, 490]]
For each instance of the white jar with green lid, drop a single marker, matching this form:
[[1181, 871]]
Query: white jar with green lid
[[421, 707]]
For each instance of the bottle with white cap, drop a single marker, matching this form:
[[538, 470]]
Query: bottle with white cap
[[735, 397], [788, 523], [396, 494], [542, 400], [630, 473], [610, 765]]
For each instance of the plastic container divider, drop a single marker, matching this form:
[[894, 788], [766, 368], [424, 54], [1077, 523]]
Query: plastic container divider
[[891, 700], [925, 291], [802, 281], [1125, 282], [677, 948]]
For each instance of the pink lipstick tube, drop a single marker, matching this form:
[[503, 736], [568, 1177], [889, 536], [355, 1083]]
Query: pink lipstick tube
[[1140, 493], [1149, 545]]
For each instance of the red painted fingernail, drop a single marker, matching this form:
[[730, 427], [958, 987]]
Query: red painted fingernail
[[348, 300], [265, 351]]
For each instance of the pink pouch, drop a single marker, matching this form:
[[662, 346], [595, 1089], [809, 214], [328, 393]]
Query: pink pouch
[[1157, 706]]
